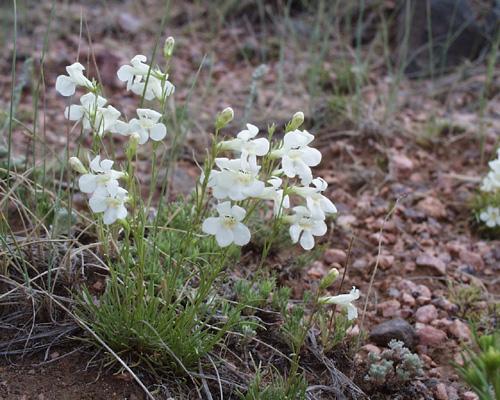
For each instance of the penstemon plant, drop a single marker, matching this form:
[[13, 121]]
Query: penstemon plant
[[161, 303], [487, 202]]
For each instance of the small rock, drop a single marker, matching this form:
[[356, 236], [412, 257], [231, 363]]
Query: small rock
[[452, 393], [389, 308], [317, 270], [360, 265], [423, 300], [397, 328], [129, 22], [335, 256], [407, 286], [371, 348], [426, 260], [470, 396], [440, 392], [472, 259], [408, 299], [401, 165], [346, 221], [460, 330], [445, 304], [386, 261], [426, 314], [432, 207], [424, 291], [430, 336]]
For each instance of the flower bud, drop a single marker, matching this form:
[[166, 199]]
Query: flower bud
[[296, 122], [77, 165], [168, 48], [329, 278], [224, 118], [132, 144]]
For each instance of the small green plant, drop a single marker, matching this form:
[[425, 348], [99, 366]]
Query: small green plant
[[277, 389], [394, 368], [481, 367]]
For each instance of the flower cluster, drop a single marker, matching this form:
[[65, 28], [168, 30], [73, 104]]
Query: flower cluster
[[241, 179], [491, 186], [101, 182]]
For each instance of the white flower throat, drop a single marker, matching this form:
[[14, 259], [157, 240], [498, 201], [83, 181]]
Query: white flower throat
[[229, 221]]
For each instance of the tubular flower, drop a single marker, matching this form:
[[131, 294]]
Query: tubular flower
[[66, 84], [142, 79], [112, 204], [137, 69], [227, 227], [490, 216], [248, 148], [318, 204], [275, 193], [102, 178], [234, 181], [344, 300], [93, 115], [304, 227], [297, 157], [146, 126]]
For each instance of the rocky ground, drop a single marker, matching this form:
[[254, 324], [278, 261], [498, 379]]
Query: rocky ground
[[402, 184]]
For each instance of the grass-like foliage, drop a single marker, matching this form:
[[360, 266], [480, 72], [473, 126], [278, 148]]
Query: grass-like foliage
[[481, 366]]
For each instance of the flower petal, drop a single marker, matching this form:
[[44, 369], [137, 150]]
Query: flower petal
[[307, 240], [241, 234], [211, 225], [224, 237], [87, 183], [98, 203], [158, 132], [65, 85]]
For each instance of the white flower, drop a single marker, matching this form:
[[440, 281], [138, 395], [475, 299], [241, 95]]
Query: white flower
[[344, 300], [305, 227], [112, 204], [136, 75], [66, 84], [248, 148], [228, 227], [93, 114], [318, 204], [147, 126], [137, 69], [275, 193], [155, 88], [234, 181], [102, 178], [490, 216], [297, 157]]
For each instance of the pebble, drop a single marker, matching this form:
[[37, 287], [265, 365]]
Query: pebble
[[408, 299], [371, 348], [389, 308], [430, 336], [401, 165], [426, 314], [385, 261], [445, 304], [407, 286], [470, 396], [440, 392], [426, 260], [432, 207], [397, 328], [460, 330], [472, 259], [335, 256]]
